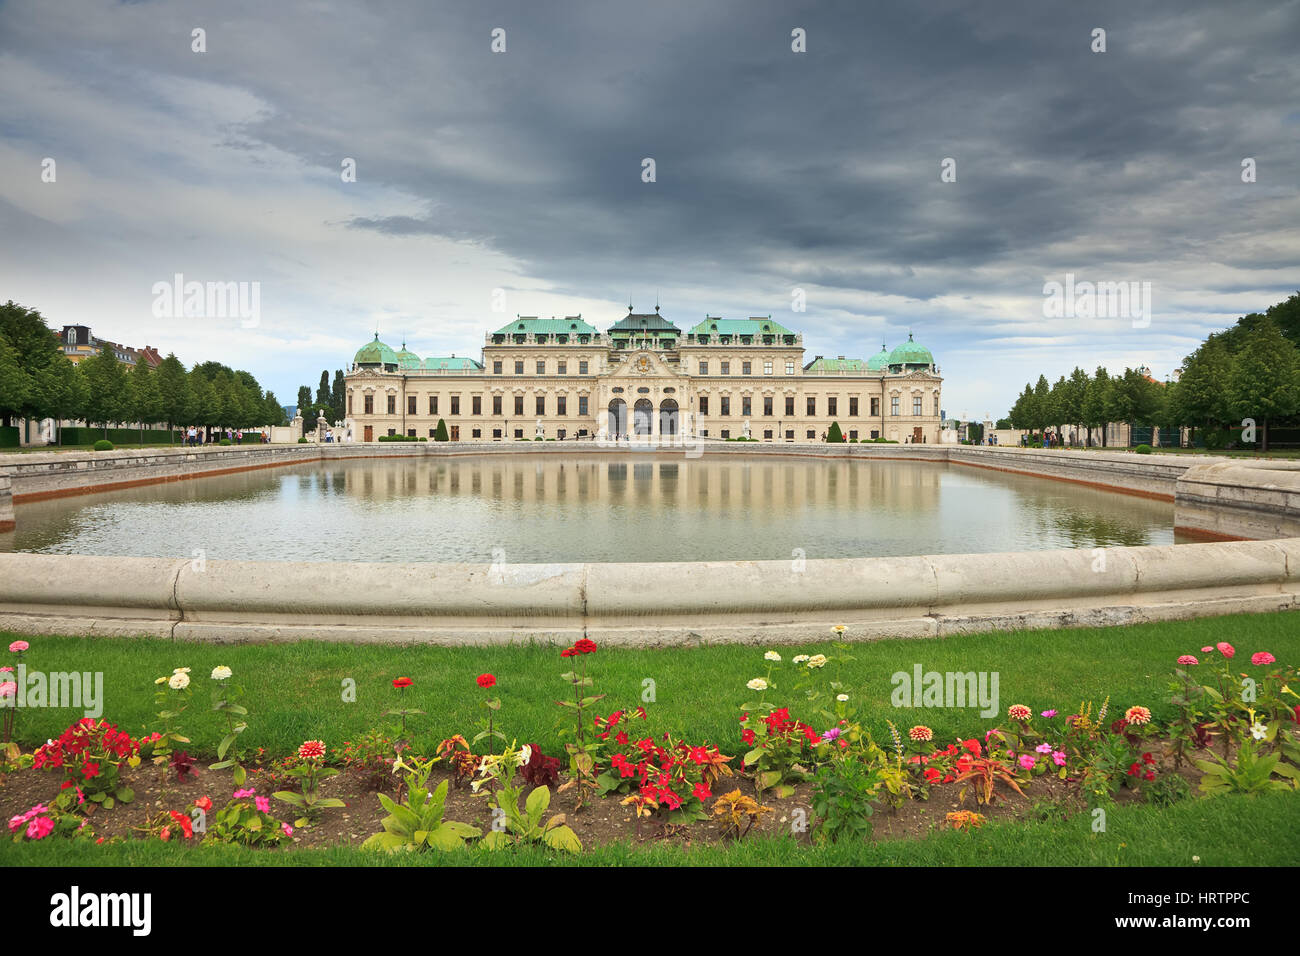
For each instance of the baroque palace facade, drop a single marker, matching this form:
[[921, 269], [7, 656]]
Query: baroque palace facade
[[644, 380]]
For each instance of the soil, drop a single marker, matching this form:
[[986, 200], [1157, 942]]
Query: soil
[[599, 821]]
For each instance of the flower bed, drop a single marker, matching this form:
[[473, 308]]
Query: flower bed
[[803, 763]]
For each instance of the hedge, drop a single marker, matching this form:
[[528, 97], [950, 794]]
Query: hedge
[[9, 437], [77, 435]]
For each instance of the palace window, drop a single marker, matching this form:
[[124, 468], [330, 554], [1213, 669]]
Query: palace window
[[519, 433], [431, 431], [875, 407], [392, 404], [496, 406], [476, 433], [916, 405], [789, 434], [789, 370], [455, 404], [725, 407], [832, 406], [767, 407], [370, 404], [496, 433], [726, 433], [746, 406], [853, 435], [496, 368], [582, 368], [810, 434], [476, 404], [582, 404], [812, 406], [767, 434], [410, 404], [853, 405], [392, 431], [704, 404], [562, 368], [541, 405], [875, 433], [767, 367], [519, 367], [433, 404], [726, 368], [519, 404], [936, 406], [704, 367], [349, 404], [745, 368], [541, 366], [561, 405], [789, 405], [893, 405]]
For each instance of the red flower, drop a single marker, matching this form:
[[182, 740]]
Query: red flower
[[204, 803], [569, 652], [90, 770], [486, 680], [748, 735], [1226, 649], [702, 792], [401, 682], [585, 646], [621, 737], [973, 746], [1151, 775], [1134, 770], [931, 774]]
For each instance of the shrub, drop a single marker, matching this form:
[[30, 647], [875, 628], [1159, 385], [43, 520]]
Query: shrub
[[103, 445], [1143, 449], [224, 441], [834, 434], [302, 441], [440, 433]]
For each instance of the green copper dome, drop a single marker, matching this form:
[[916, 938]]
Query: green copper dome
[[910, 353], [375, 353], [407, 360], [878, 361]]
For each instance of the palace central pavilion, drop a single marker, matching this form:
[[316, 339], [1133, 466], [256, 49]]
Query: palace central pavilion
[[642, 380]]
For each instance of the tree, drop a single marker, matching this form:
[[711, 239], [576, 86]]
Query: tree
[[171, 386], [1097, 404], [440, 433], [1042, 407], [338, 396], [35, 349], [63, 391], [107, 396], [1264, 380], [14, 383], [834, 434], [304, 400], [201, 402], [272, 410], [323, 395], [142, 395]]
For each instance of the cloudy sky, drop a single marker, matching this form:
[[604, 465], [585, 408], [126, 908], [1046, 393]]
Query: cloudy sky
[[775, 171]]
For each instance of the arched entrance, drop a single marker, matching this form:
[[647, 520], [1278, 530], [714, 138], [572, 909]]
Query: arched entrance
[[641, 416], [617, 418], [668, 417]]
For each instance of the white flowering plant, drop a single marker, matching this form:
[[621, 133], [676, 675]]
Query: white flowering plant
[[173, 696], [226, 698]]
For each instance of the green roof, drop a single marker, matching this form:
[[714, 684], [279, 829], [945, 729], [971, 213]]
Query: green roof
[[525, 325], [375, 353], [451, 363], [751, 326], [911, 353], [407, 360], [647, 322], [880, 360], [836, 365]]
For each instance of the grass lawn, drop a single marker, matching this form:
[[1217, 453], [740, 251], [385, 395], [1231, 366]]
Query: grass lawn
[[295, 692], [1224, 831]]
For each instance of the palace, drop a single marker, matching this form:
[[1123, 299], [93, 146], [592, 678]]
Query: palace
[[644, 380]]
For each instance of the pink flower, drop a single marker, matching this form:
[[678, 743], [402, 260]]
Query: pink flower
[[241, 794], [263, 804], [40, 828], [8, 689], [1262, 657], [1226, 649], [1058, 757], [1049, 713], [17, 647], [1207, 650], [286, 829], [1188, 659], [1044, 748], [1027, 761]]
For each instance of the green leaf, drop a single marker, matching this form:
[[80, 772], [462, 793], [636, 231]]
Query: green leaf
[[562, 838], [125, 794], [538, 801], [445, 838]]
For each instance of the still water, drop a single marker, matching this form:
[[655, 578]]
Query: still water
[[635, 508]]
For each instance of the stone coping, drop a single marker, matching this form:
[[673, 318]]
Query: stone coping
[[643, 604]]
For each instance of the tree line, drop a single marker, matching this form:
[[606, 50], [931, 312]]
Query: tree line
[[330, 400], [1250, 371], [37, 381]]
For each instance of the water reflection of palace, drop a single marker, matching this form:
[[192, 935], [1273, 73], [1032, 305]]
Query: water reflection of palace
[[644, 379]]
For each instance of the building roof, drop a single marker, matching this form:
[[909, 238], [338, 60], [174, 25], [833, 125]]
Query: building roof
[[911, 353], [375, 353], [407, 360], [530, 324], [840, 364], [755, 325], [880, 361], [644, 322], [451, 363]]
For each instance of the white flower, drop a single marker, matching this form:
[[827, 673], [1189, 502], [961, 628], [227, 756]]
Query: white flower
[[757, 684], [842, 697], [1196, 859], [800, 658], [771, 656], [817, 660], [179, 681], [1258, 731], [525, 754], [180, 670], [220, 672]]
